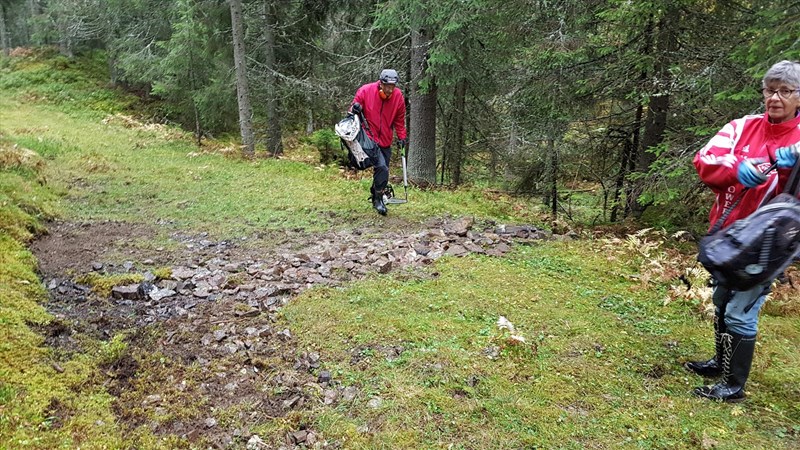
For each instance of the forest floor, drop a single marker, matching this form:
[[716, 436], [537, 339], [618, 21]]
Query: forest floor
[[219, 310], [183, 297]]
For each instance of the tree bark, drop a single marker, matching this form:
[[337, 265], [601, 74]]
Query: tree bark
[[242, 87], [274, 135], [655, 123], [3, 33], [457, 144], [619, 184], [422, 142]]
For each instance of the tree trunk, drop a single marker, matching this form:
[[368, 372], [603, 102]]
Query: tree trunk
[[457, 144], [3, 34], [198, 131], [65, 43], [657, 111], [552, 176], [619, 184], [274, 141], [242, 88], [422, 145], [631, 157]]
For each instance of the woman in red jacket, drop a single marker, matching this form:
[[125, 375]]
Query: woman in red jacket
[[384, 109], [731, 164]]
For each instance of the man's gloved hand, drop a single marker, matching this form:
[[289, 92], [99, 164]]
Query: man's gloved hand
[[787, 156], [401, 143], [749, 175], [356, 108]]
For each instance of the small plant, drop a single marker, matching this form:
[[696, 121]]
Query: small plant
[[113, 349], [7, 394], [327, 144], [511, 343], [163, 273]]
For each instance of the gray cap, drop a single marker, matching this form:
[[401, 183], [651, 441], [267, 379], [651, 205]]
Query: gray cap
[[389, 76]]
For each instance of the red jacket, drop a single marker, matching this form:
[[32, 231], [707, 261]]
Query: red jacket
[[383, 115], [749, 137]]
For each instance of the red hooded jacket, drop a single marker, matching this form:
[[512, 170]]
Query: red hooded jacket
[[750, 137], [383, 115]]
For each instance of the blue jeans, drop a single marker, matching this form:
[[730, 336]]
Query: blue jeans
[[741, 311]]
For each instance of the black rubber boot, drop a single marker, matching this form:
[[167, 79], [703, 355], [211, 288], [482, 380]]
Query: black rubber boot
[[737, 358], [377, 202], [710, 368]]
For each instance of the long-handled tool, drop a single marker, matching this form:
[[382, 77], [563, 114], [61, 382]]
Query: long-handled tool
[[394, 200]]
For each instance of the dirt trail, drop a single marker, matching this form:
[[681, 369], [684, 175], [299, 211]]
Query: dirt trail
[[207, 338]]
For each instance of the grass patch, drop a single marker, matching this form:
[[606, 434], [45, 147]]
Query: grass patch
[[103, 284], [111, 167], [77, 85], [24, 201], [601, 360]]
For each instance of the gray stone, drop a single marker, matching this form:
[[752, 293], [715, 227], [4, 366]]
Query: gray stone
[[299, 437], [349, 393], [329, 396], [456, 250], [255, 443], [160, 294], [182, 273], [129, 292]]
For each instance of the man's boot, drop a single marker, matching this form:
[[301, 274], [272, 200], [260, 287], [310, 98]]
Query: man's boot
[[712, 367], [737, 358], [377, 202]]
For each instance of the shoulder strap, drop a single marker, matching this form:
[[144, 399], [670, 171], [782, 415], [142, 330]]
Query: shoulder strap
[[793, 185], [725, 214], [718, 224]]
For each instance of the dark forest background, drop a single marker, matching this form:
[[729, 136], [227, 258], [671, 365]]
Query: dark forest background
[[600, 103]]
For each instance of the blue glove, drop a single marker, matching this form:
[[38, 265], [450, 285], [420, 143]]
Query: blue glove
[[749, 175], [356, 108], [401, 143], [787, 156]]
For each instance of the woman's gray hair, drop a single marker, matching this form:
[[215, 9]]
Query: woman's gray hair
[[785, 72]]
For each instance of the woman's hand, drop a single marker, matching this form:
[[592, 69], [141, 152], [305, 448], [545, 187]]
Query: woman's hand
[[749, 175], [787, 156]]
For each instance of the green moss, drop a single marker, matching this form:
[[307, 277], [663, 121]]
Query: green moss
[[113, 349], [163, 273], [103, 284], [600, 360]]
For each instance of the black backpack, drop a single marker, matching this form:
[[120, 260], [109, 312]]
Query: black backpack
[[362, 152], [758, 248]]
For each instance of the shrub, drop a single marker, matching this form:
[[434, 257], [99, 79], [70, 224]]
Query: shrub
[[327, 144]]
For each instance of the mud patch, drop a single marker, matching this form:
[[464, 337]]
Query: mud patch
[[71, 247]]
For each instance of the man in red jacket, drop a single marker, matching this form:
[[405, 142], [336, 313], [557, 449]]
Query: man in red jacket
[[384, 109], [732, 165]]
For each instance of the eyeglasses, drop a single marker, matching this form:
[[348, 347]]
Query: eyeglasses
[[783, 93]]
